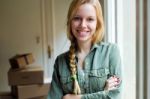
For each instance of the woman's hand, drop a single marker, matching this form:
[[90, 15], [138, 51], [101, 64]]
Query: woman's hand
[[112, 83], [71, 96]]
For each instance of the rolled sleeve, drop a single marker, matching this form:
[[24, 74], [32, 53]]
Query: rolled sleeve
[[115, 69], [97, 95]]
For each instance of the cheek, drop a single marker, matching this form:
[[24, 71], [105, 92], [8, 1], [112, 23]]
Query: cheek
[[94, 26], [74, 25]]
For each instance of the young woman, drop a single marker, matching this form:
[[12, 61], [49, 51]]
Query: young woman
[[91, 69]]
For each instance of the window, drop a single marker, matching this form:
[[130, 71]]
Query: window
[[120, 16]]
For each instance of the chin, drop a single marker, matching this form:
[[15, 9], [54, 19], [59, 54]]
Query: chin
[[82, 40]]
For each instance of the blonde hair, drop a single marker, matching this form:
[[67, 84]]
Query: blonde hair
[[73, 69], [97, 37]]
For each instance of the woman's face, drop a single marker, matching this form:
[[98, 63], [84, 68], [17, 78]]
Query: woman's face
[[84, 23]]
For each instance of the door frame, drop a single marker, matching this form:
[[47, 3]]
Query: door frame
[[142, 50]]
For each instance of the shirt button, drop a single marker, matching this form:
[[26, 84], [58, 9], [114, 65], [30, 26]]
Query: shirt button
[[86, 63]]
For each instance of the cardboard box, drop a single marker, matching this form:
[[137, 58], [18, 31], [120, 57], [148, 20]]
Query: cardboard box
[[41, 97], [21, 61], [6, 95], [29, 75], [17, 62], [36, 91], [29, 58]]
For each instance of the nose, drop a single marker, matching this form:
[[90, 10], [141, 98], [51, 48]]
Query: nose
[[83, 23]]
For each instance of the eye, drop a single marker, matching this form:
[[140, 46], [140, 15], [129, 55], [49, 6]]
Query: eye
[[76, 18], [90, 19]]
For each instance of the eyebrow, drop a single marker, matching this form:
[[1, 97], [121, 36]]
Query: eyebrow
[[88, 16]]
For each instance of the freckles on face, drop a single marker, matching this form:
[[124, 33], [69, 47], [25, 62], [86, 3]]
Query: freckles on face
[[83, 24]]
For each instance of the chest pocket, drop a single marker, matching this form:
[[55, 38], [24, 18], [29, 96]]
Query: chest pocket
[[67, 84], [97, 79]]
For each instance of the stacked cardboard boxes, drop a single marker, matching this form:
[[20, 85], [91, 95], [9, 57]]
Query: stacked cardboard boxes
[[27, 80], [5, 95]]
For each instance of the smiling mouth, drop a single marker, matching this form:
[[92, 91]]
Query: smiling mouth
[[83, 33]]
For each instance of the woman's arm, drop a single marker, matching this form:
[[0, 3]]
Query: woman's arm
[[111, 84], [72, 96], [55, 91], [115, 69]]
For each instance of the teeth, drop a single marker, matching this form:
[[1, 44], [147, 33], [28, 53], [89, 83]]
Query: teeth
[[82, 31]]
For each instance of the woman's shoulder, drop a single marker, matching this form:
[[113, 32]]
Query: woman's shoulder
[[63, 56], [107, 44], [107, 47]]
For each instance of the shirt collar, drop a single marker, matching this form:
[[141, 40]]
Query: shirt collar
[[94, 46]]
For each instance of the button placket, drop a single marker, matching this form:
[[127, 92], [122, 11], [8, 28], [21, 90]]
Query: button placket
[[86, 73], [81, 79], [86, 82], [86, 63]]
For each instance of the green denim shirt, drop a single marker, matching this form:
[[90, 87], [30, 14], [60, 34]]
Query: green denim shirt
[[102, 62]]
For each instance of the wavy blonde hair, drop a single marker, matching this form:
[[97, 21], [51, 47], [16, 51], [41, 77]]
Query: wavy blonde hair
[[97, 37]]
